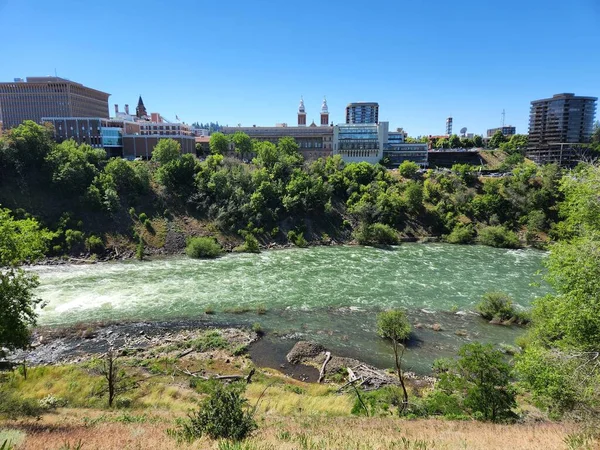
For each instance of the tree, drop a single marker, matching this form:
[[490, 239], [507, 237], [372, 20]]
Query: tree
[[479, 383], [28, 145], [242, 142], [497, 139], [478, 141], [177, 176], [442, 143], [413, 195], [73, 165], [454, 141], [408, 169], [394, 325], [165, 151], [219, 144], [561, 361], [20, 240]]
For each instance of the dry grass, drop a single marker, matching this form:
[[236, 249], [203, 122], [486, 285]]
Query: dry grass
[[291, 433]]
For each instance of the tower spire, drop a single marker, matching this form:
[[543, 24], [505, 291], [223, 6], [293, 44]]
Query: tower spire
[[324, 113], [301, 113], [140, 110]]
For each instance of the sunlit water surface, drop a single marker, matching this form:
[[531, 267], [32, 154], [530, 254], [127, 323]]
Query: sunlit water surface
[[328, 294]]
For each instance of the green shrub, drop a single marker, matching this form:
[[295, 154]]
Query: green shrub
[[297, 238], [148, 225], [132, 212], [143, 217], [224, 414], [257, 328], [498, 236], [250, 244], [496, 305], [376, 234], [478, 384], [94, 244], [139, 250], [203, 247], [212, 340], [73, 238], [461, 234], [500, 306], [14, 406]]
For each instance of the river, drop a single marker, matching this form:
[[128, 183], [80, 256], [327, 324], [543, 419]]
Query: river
[[328, 294]]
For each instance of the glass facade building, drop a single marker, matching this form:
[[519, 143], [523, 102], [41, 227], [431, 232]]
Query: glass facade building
[[557, 125], [111, 137], [362, 112]]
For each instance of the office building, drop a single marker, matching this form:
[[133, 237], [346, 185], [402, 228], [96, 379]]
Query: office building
[[314, 142], [507, 131], [124, 136], [373, 142], [558, 126], [362, 112], [38, 97]]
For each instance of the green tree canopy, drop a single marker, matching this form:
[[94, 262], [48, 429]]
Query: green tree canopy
[[26, 146], [478, 383], [166, 150], [242, 142], [73, 165], [20, 240], [497, 139], [408, 169], [219, 144]]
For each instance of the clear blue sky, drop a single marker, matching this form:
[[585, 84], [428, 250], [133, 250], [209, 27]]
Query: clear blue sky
[[248, 62]]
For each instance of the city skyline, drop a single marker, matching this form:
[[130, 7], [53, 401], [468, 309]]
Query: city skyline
[[237, 66]]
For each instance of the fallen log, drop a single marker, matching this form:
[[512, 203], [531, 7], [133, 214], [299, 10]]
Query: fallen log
[[322, 372], [248, 377]]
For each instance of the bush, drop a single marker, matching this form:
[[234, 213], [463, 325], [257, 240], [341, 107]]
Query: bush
[[461, 234], [257, 328], [203, 247], [478, 384], [143, 217], [297, 238], [498, 236], [13, 406], [250, 244], [94, 244], [148, 225], [73, 238], [496, 305], [139, 250], [222, 415], [376, 234]]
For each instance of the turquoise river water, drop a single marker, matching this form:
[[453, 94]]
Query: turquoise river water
[[328, 294]]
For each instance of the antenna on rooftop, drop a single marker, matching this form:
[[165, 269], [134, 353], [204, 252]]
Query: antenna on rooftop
[[503, 117]]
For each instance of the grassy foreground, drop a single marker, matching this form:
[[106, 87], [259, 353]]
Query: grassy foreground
[[291, 414], [120, 431]]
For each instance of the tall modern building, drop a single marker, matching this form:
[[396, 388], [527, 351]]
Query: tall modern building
[[38, 97], [557, 125], [362, 112]]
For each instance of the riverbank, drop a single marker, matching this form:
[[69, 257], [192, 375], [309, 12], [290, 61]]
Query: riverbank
[[173, 367]]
